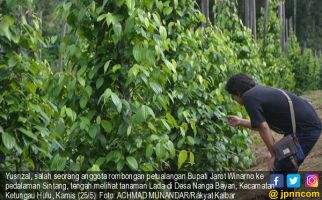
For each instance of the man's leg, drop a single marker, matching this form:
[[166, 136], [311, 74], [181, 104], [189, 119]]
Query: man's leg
[[307, 140]]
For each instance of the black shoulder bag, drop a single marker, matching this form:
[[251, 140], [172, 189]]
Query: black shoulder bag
[[287, 146]]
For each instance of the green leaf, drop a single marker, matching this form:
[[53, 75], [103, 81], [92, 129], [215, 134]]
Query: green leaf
[[143, 113], [107, 126], [28, 133], [120, 165], [81, 71], [117, 28], [119, 3], [148, 110], [107, 93], [193, 126], [101, 17], [129, 129], [93, 130], [132, 162], [159, 5], [84, 124], [235, 159], [110, 18], [159, 151], [117, 102], [170, 66], [202, 17], [70, 114], [154, 137], [171, 120], [149, 151], [156, 19], [192, 158], [137, 53], [107, 64], [99, 82], [175, 3], [156, 87], [191, 141], [81, 81], [88, 90], [5, 30], [163, 32], [94, 168], [58, 163], [130, 4], [100, 161], [183, 155], [166, 125], [31, 87], [116, 67], [83, 101], [171, 149], [182, 131], [148, 4], [8, 140], [168, 10], [152, 127]]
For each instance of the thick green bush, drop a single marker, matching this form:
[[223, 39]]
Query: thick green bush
[[145, 89], [305, 67], [277, 70], [142, 86], [27, 119]]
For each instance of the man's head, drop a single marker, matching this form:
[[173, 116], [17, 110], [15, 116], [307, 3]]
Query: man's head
[[238, 84]]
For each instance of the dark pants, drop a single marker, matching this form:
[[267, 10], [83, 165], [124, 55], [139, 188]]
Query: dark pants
[[306, 140]]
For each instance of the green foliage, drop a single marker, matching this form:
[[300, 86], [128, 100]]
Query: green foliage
[[301, 71], [157, 103], [275, 60], [27, 119], [240, 39], [142, 86], [305, 66]]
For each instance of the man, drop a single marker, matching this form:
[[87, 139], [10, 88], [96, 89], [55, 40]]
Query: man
[[269, 110]]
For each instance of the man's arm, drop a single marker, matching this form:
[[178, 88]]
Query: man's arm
[[235, 121], [264, 131], [246, 123], [266, 134]]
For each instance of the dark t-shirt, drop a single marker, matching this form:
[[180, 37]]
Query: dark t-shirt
[[270, 105]]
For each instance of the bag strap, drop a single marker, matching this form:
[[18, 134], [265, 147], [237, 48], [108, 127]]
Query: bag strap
[[290, 103]]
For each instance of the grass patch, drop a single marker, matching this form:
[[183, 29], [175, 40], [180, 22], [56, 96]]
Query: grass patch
[[314, 96]]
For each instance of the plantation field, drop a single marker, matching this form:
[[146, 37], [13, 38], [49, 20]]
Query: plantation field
[[312, 163]]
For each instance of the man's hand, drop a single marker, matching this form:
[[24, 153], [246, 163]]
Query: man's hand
[[271, 164], [234, 120]]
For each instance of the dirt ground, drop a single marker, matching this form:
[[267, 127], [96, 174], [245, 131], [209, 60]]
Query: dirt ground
[[312, 163]]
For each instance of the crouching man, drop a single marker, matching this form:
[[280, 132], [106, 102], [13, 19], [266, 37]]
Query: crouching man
[[268, 109]]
